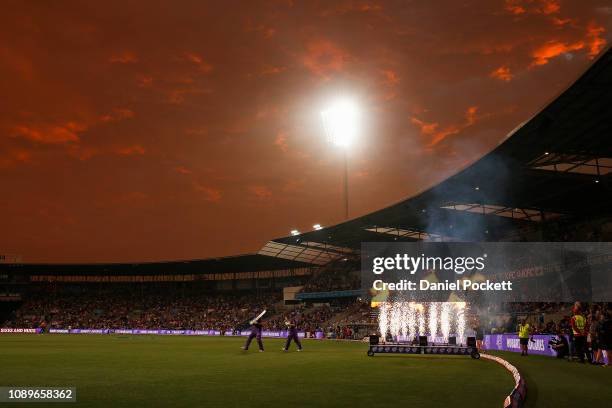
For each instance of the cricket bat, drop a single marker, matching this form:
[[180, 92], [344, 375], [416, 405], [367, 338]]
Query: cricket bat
[[258, 317]]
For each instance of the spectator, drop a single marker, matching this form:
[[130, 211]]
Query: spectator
[[579, 331], [605, 335], [560, 345], [594, 329]]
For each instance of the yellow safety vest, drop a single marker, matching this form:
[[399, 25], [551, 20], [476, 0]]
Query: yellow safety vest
[[580, 323], [524, 331]]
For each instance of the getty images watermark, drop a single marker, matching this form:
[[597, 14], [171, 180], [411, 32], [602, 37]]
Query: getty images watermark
[[488, 272], [411, 265]]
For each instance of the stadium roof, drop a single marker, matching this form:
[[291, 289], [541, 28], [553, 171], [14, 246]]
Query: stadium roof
[[232, 264], [555, 165]]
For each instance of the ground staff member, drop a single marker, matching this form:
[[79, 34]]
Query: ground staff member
[[579, 330], [523, 333]]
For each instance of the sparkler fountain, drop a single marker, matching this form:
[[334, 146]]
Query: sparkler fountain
[[404, 321], [445, 323], [460, 322], [421, 311], [433, 319], [383, 318]]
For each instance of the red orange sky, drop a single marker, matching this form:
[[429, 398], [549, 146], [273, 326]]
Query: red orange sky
[[138, 132]]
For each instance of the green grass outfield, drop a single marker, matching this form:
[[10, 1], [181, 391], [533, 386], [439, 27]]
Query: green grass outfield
[[558, 383], [148, 371]]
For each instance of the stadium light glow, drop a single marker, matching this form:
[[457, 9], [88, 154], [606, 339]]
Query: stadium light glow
[[295, 232], [341, 122], [317, 227]]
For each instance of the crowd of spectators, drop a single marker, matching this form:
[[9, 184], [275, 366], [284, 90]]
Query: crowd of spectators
[[358, 313], [125, 308], [106, 309], [307, 318], [334, 279]]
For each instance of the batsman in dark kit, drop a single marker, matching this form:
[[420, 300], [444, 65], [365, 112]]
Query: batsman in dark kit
[[292, 334], [256, 328]]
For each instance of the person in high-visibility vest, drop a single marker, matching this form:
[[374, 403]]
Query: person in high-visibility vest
[[579, 330], [524, 330]]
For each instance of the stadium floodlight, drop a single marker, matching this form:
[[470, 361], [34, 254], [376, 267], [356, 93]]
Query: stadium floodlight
[[295, 232], [341, 122], [317, 227]]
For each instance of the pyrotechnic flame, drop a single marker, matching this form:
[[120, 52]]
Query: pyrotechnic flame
[[383, 319], [433, 319], [411, 320], [396, 322], [421, 310], [445, 323], [460, 321], [408, 319], [405, 318]]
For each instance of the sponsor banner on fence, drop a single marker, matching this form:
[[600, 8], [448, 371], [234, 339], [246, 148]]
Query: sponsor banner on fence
[[88, 331], [17, 330], [268, 333], [511, 342], [265, 333]]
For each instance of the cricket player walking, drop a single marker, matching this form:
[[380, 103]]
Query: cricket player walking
[[292, 334]]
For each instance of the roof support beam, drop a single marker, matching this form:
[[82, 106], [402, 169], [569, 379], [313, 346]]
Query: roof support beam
[[526, 214], [410, 233], [573, 163]]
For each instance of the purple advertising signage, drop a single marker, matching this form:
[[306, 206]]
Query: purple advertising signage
[[265, 333], [87, 331], [19, 330], [271, 333], [511, 342]]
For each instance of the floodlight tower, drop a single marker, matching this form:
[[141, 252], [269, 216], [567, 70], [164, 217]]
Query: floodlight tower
[[341, 124]]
